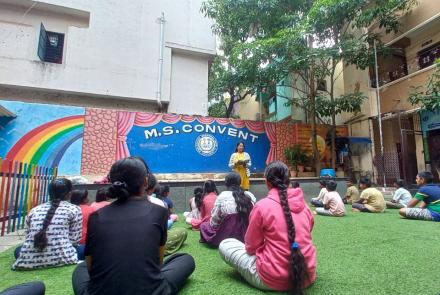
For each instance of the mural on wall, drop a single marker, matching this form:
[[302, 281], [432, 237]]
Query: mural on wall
[[46, 135], [173, 143]]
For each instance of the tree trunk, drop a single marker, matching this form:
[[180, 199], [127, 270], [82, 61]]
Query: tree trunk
[[316, 155], [312, 90], [333, 139], [230, 107], [333, 128]]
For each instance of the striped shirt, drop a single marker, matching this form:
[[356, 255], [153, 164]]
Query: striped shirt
[[63, 234]]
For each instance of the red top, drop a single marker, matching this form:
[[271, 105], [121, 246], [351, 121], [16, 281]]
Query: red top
[[86, 211], [205, 210], [266, 237], [98, 205]]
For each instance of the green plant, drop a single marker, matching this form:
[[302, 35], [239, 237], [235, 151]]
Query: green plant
[[428, 97], [296, 155]]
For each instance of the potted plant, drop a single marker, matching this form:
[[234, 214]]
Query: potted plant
[[302, 159], [296, 157]]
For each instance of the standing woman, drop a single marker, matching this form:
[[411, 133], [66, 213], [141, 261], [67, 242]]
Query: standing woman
[[53, 231], [240, 162], [278, 253], [126, 242]]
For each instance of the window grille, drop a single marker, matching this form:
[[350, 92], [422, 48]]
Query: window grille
[[50, 46]]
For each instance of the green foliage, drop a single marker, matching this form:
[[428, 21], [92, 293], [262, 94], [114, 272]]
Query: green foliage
[[264, 41], [350, 103], [296, 155], [428, 97], [217, 110]]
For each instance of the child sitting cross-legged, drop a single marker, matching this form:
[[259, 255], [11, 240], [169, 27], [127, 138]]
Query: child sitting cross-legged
[[194, 204], [278, 253], [333, 205], [53, 231], [205, 202], [230, 215], [101, 199], [126, 240], [80, 198], [164, 195]]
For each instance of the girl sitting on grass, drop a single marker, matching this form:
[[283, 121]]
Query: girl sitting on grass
[[204, 203], [80, 198], [230, 215], [53, 231], [126, 239], [278, 253], [194, 204], [101, 199]]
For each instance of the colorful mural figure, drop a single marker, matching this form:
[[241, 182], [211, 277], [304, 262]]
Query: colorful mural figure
[[192, 144], [44, 135]]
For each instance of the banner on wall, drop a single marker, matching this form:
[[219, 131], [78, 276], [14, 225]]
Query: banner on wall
[[192, 144]]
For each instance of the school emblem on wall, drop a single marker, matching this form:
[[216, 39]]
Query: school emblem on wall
[[206, 145]]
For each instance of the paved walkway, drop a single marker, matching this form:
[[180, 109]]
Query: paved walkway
[[11, 240]]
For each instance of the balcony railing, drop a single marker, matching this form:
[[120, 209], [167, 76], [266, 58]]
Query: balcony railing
[[423, 60]]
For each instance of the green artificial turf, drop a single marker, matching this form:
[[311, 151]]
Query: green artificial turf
[[358, 254]]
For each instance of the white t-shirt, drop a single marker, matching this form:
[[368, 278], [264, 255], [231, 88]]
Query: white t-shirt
[[156, 201], [402, 196], [322, 194]]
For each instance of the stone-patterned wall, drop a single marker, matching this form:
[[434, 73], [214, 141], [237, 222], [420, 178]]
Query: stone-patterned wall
[[289, 134], [286, 136], [99, 148]]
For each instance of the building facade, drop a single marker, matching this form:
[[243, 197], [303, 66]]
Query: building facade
[[408, 144], [136, 55]]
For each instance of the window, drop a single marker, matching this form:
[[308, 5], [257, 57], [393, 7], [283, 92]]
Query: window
[[428, 56], [50, 46]]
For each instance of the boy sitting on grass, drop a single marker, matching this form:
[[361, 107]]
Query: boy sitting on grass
[[429, 198], [333, 205], [352, 194], [317, 202], [401, 197], [371, 199]]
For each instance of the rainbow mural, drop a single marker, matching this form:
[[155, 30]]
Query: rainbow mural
[[46, 144]]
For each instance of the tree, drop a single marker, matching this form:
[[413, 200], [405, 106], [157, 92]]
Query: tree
[[217, 109], [428, 97], [306, 38], [226, 77]]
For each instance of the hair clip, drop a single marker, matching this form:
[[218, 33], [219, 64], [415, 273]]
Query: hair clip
[[295, 246], [120, 184]]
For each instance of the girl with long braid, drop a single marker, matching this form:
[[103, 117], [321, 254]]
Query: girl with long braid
[[278, 253], [230, 215], [53, 231]]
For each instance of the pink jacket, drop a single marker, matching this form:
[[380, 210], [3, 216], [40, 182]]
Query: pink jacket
[[266, 237]]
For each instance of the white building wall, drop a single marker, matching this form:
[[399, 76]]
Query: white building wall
[[113, 53], [189, 88]]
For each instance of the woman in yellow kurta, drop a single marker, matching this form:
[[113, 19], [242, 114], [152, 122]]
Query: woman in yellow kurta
[[240, 162]]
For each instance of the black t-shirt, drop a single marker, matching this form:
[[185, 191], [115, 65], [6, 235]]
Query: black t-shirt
[[124, 240]]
